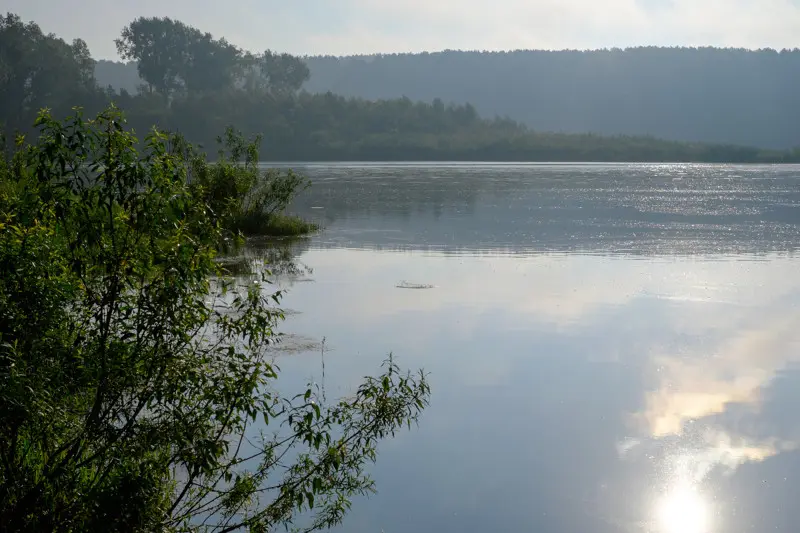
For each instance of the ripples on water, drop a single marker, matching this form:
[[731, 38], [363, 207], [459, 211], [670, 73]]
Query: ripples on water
[[611, 348], [635, 209]]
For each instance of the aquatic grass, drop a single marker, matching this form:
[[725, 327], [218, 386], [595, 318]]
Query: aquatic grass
[[274, 225]]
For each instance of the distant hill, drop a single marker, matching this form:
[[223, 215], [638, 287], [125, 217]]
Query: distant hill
[[705, 94], [690, 94]]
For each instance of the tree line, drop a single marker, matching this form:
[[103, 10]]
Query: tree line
[[196, 84], [719, 95]]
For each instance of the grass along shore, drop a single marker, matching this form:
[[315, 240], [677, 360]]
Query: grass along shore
[[274, 225]]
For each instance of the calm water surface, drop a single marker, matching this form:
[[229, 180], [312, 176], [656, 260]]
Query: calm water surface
[[611, 348]]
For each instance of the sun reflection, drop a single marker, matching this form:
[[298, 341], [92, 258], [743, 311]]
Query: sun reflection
[[683, 510]]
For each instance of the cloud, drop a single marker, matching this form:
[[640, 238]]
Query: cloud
[[730, 451], [704, 396], [712, 450], [718, 332], [693, 386]]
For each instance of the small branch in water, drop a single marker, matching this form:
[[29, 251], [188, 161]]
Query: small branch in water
[[407, 285], [324, 397]]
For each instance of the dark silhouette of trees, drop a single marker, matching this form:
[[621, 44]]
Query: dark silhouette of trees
[[198, 85], [281, 72], [39, 70], [690, 94], [172, 56]]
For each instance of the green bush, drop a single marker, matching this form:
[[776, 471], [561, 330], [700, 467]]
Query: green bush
[[241, 195], [133, 371]]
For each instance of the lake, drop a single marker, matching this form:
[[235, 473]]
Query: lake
[[611, 348]]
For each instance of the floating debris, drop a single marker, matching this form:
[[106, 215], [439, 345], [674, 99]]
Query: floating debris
[[407, 285], [289, 344]]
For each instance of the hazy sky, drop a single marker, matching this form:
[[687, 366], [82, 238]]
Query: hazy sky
[[366, 26]]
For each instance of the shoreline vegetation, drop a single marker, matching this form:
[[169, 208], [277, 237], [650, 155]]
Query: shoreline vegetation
[[278, 225], [675, 93], [137, 382], [303, 127], [672, 92], [246, 199], [197, 85]]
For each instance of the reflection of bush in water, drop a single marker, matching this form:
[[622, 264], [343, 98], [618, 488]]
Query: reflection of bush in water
[[279, 256], [348, 191]]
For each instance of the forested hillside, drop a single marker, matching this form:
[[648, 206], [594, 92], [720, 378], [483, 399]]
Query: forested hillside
[[688, 94], [706, 94], [185, 80]]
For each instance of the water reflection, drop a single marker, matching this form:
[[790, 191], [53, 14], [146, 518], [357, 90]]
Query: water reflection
[[683, 510], [644, 389], [603, 397], [280, 257], [629, 209]]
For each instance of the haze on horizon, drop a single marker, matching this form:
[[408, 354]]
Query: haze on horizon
[[344, 27]]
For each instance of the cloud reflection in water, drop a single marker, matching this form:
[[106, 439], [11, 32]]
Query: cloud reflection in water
[[685, 348]]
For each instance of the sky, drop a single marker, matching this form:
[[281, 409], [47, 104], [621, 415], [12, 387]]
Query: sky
[[343, 27]]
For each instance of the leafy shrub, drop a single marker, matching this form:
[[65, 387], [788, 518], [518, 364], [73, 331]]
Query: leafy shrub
[[134, 375]]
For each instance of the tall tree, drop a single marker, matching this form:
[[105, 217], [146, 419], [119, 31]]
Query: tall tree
[[172, 55], [158, 45], [213, 65], [282, 72], [39, 70]]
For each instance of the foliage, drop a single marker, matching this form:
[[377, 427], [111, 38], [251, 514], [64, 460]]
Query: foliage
[[682, 93], [276, 225], [172, 56], [690, 94], [135, 389], [198, 85], [282, 72], [38, 70], [326, 127], [271, 72], [243, 196]]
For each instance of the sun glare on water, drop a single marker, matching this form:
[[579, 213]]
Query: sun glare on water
[[683, 510]]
